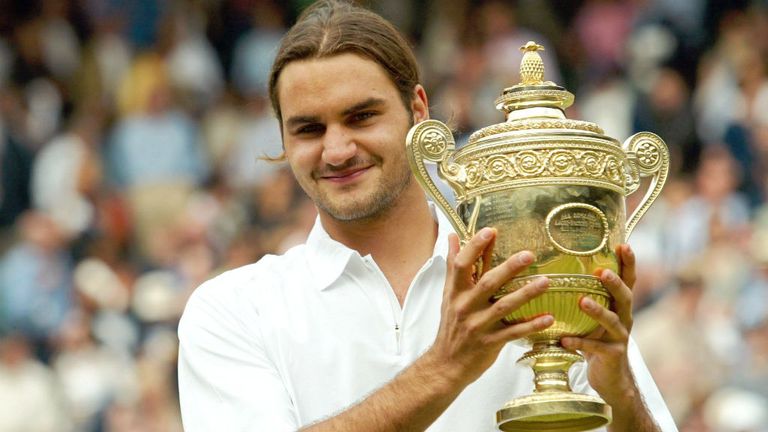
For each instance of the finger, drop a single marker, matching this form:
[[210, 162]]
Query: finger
[[495, 278], [514, 300], [485, 263], [592, 346], [608, 319], [463, 263], [521, 329], [627, 268], [622, 296], [596, 333], [453, 246], [453, 250]]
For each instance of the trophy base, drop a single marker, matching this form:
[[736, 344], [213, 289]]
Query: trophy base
[[555, 411]]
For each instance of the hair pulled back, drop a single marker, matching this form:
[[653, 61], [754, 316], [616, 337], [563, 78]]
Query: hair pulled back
[[333, 27]]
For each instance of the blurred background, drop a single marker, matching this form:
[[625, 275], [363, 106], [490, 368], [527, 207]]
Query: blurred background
[[130, 133]]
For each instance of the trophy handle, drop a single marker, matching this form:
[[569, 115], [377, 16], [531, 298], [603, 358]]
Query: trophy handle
[[647, 155], [432, 141]]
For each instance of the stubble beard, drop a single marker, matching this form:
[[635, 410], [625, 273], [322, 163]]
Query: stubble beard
[[371, 206]]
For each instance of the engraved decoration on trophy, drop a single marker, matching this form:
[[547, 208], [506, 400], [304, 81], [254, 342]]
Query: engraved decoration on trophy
[[555, 186]]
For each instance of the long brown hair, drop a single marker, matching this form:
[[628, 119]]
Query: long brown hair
[[332, 27]]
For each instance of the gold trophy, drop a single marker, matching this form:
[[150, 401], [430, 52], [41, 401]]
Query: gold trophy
[[557, 187]]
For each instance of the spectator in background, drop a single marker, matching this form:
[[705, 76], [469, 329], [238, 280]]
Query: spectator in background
[[67, 172], [503, 36], [759, 173], [489, 60], [193, 68], [15, 173], [36, 281], [258, 132], [155, 155], [106, 58], [666, 112], [715, 206], [143, 20], [609, 89], [256, 48], [752, 113], [59, 44], [602, 28], [670, 332], [753, 297], [717, 95], [257, 137], [39, 93], [91, 375], [29, 393]]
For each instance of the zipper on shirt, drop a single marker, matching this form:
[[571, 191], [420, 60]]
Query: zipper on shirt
[[397, 338], [397, 314]]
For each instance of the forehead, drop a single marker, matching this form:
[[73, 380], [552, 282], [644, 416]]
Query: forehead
[[323, 84]]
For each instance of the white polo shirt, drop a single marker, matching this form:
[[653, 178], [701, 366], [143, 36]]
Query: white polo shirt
[[294, 339]]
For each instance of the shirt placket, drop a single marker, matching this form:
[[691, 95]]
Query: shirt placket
[[397, 312]]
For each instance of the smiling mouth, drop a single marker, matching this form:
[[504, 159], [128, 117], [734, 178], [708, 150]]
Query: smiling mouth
[[345, 175], [350, 170]]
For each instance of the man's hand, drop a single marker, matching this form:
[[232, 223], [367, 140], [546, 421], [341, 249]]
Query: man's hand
[[607, 347], [471, 334]]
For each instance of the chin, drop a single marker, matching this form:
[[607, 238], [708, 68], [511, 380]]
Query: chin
[[356, 209], [354, 213], [363, 205]]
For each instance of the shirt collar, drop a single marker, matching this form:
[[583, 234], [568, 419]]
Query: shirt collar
[[444, 228], [328, 258]]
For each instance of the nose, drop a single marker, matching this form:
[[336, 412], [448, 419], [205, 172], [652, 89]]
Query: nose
[[338, 146]]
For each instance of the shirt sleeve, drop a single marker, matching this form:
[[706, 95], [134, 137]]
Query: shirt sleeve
[[227, 382], [645, 383]]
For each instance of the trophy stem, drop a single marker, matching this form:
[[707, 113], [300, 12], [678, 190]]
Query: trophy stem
[[550, 363], [552, 406]]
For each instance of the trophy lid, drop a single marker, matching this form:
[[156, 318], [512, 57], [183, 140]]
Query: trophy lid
[[533, 91], [534, 103]]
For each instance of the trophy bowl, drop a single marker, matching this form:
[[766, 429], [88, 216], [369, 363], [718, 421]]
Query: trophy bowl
[[557, 187]]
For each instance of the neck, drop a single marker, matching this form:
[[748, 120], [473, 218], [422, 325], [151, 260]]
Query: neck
[[400, 239]]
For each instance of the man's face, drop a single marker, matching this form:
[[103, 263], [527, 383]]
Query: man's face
[[344, 128]]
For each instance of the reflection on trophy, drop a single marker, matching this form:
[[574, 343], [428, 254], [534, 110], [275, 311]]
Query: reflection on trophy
[[557, 187]]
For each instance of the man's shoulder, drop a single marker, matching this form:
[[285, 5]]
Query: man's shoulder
[[269, 273], [254, 285], [239, 302]]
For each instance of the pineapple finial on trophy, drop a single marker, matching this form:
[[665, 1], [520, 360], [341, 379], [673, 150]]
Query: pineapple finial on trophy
[[532, 91], [531, 67]]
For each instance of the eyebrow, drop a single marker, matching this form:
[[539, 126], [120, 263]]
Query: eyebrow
[[300, 120], [368, 103], [305, 119]]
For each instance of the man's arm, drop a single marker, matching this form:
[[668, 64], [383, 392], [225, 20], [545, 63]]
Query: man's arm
[[468, 342], [227, 382], [606, 350], [410, 402]]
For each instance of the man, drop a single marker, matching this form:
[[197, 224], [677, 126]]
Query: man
[[377, 323]]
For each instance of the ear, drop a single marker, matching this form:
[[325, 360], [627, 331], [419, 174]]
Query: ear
[[419, 104]]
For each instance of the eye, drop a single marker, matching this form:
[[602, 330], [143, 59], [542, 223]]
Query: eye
[[362, 116], [310, 129]]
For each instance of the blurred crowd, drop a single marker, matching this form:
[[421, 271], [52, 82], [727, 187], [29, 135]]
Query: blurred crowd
[[133, 135]]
